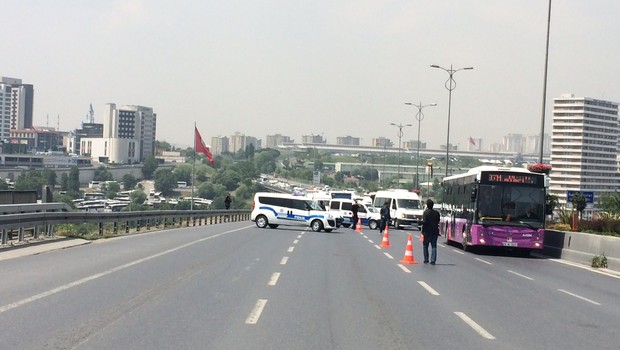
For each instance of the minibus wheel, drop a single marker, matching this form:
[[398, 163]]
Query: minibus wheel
[[316, 225], [261, 221]]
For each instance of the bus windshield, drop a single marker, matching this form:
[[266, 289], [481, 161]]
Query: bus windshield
[[511, 204]]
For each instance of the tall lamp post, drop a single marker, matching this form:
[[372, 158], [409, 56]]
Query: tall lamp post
[[544, 97], [419, 117], [400, 136], [450, 85]]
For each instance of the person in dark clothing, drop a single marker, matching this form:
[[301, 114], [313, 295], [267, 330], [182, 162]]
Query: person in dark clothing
[[227, 201], [430, 230], [355, 209], [385, 216]]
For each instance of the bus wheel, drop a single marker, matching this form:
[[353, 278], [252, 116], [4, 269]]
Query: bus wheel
[[261, 221]]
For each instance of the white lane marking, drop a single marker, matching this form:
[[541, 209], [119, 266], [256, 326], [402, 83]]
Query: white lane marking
[[377, 246], [284, 260], [255, 314], [484, 261], [579, 297], [458, 251], [474, 325], [520, 275], [402, 267], [388, 255], [428, 288], [296, 241], [290, 249], [274, 279], [105, 273], [371, 241], [299, 236], [582, 267]]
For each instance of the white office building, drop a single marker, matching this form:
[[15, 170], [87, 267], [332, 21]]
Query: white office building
[[584, 149], [128, 135]]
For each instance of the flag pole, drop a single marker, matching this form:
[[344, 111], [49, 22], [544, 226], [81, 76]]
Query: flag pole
[[191, 206]]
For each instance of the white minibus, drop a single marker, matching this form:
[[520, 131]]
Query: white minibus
[[405, 207]]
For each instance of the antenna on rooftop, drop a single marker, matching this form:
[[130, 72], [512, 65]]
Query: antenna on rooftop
[[91, 114]]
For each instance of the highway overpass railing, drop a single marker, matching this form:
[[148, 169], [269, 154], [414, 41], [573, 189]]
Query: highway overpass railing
[[36, 225]]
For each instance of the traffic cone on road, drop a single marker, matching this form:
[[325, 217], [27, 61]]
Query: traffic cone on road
[[409, 259], [358, 227], [386, 239]]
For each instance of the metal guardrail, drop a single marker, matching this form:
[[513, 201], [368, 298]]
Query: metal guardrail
[[43, 222]]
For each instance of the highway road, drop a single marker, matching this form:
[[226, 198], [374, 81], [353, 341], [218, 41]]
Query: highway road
[[235, 286]]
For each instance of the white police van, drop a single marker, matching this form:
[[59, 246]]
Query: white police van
[[367, 214], [274, 209]]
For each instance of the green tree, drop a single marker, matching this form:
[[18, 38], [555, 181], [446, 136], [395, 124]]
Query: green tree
[[210, 191], [111, 189], [579, 202], [3, 185], [137, 197], [165, 181], [265, 161], [149, 167], [129, 181], [102, 174], [610, 202], [64, 182], [229, 178], [183, 172], [74, 179], [249, 151], [50, 178], [30, 181]]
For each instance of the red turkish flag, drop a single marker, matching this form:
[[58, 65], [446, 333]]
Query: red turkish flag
[[202, 148]]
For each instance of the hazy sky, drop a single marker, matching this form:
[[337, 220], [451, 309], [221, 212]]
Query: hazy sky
[[333, 67]]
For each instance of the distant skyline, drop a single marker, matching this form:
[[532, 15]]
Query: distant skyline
[[334, 68]]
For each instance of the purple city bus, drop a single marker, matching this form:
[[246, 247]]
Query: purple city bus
[[495, 207]]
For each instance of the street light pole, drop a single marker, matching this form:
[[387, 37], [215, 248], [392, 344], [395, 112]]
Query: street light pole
[[400, 135], [544, 97], [419, 117], [450, 85]]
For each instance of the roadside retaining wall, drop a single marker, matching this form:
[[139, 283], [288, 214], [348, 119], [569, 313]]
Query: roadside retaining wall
[[581, 247]]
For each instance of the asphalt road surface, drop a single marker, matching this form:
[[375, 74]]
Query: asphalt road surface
[[235, 286]]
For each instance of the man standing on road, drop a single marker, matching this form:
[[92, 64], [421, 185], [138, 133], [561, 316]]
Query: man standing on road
[[430, 230], [355, 209], [227, 201], [385, 217]]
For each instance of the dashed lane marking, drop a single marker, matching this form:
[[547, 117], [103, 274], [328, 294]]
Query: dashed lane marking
[[520, 275], [284, 260], [402, 267], [274, 279], [428, 288], [474, 325], [484, 261], [256, 312], [579, 297]]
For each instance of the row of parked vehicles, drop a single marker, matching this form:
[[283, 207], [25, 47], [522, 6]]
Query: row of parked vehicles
[[333, 210]]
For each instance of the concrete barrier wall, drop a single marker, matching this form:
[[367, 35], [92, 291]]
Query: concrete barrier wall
[[581, 247]]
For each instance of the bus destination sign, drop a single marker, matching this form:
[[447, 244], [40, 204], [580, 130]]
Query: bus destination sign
[[512, 178]]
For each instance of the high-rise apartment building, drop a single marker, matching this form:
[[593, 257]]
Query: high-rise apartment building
[[219, 145], [312, 138], [584, 148], [348, 140], [16, 105], [273, 141]]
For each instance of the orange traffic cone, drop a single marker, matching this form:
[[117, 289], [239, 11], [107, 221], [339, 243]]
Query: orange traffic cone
[[409, 259], [358, 227], [386, 239]]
